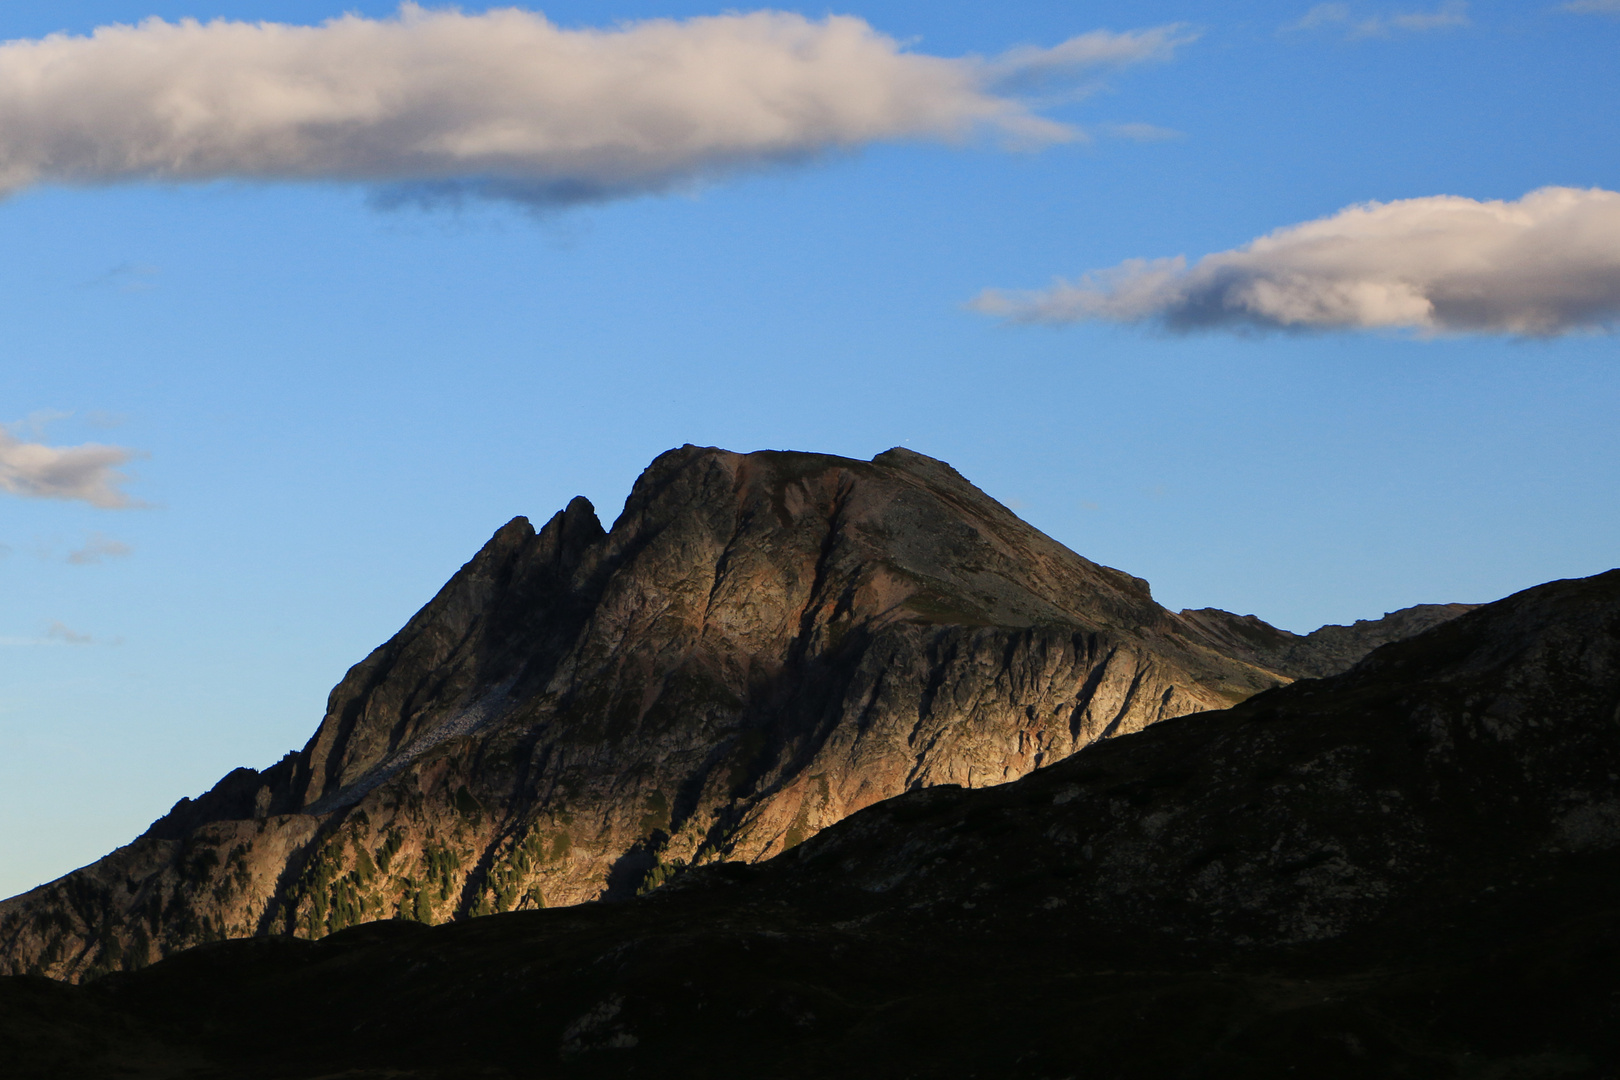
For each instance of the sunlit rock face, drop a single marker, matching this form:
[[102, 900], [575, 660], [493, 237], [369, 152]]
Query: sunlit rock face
[[762, 645]]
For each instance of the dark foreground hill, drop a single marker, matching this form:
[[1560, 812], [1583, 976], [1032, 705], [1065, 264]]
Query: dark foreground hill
[[762, 645], [1408, 870]]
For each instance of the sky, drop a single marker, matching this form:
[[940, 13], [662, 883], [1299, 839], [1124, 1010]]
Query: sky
[[1299, 311]]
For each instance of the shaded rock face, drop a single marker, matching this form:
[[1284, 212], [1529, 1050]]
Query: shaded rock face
[[1411, 869], [761, 646]]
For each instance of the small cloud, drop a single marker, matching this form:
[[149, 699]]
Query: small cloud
[[1087, 504], [34, 424], [98, 547], [1142, 132], [1592, 7], [1321, 15], [1451, 14], [1030, 68], [58, 632], [127, 278], [1545, 265], [87, 473]]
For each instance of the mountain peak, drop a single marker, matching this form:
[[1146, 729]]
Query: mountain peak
[[762, 645]]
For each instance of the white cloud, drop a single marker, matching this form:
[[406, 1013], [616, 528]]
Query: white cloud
[[1592, 7], [88, 472], [1451, 14], [1545, 265], [99, 546], [504, 103]]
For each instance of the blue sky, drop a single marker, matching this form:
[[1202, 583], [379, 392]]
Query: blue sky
[[335, 403]]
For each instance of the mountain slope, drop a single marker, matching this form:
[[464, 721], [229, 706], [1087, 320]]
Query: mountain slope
[[761, 646], [1408, 870]]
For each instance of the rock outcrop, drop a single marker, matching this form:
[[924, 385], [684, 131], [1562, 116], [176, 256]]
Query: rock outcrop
[[763, 645], [1411, 869]]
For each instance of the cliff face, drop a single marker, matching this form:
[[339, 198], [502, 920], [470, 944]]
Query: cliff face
[[1408, 870], [762, 645]]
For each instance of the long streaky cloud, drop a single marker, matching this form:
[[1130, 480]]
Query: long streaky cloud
[[503, 103], [87, 473], [1544, 265]]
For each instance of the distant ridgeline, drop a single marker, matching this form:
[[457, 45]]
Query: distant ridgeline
[[763, 645]]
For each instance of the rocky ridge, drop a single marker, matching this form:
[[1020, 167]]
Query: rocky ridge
[[1329, 650], [761, 646]]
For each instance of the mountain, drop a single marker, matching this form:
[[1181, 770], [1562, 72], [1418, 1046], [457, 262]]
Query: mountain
[[1411, 869], [762, 645]]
